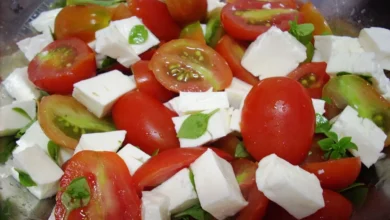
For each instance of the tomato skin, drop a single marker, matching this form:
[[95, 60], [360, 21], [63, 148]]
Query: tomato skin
[[165, 164], [228, 144], [245, 171], [312, 15], [319, 71], [193, 31], [287, 3], [120, 12], [147, 121], [187, 11], [335, 174], [54, 76], [272, 111], [316, 154], [233, 52], [147, 83], [257, 205]]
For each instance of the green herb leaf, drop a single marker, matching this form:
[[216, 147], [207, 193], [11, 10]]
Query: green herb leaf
[[322, 124], [155, 153], [356, 194], [96, 2], [58, 4], [22, 112], [22, 131], [335, 148], [53, 150], [353, 185], [6, 210], [195, 125], [138, 34], [309, 52], [192, 179], [77, 194], [241, 151], [195, 212], [25, 179], [42, 94], [108, 62], [7, 145], [302, 32]]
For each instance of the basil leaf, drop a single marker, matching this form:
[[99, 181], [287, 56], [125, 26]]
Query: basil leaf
[[357, 195], [353, 185], [195, 125], [322, 124], [22, 112], [6, 210], [195, 212], [138, 34], [309, 52], [7, 145], [192, 179], [302, 32], [22, 131], [240, 151], [96, 2], [53, 150], [77, 194], [25, 179]]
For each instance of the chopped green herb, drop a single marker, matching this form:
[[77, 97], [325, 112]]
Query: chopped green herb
[[58, 4], [22, 131], [42, 94], [138, 34], [22, 112], [53, 150], [96, 2], [77, 194], [353, 185], [356, 194], [155, 153], [322, 124], [195, 212], [7, 145], [192, 179], [335, 148], [195, 125], [108, 62], [302, 32], [25, 179], [309, 52], [240, 151]]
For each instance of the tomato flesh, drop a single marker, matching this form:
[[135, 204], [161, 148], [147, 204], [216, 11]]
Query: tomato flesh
[[312, 15], [245, 171], [257, 205], [193, 31], [121, 11], [188, 11], [228, 144]]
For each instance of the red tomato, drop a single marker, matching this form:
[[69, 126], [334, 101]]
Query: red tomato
[[121, 11], [187, 11], [147, 55], [278, 117], [233, 52], [245, 171], [312, 15], [228, 144], [147, 83], [61, 64], [312, 76], [165, 164], [246, 20], [287, 3], [257, 205], [147, 121], [156, 17], [316, 154], [113, 195], [187, 65], [335, 174], [194, 32]]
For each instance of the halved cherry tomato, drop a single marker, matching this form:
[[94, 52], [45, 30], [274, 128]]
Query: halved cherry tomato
[[61, 64], [246, 20], [245, 171], [228, 144], [112, 192], [165, 164], [187, 11], [193, 31], [147, 55], [64, 120], [278, 117], [156, 17], [187, 65], [147, 121], [233, 52], [121, 11], [287, 3], [257, 205], [312, 76], [312, 15], [316, 154], [147, 83], [81, 21], [335, 174]]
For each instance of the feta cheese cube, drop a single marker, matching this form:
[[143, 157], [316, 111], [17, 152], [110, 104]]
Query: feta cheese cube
[[376, 39], [12, 121], [216, 185], [319, 106], [235, 121], [155, 206], [296, 190], [105, 141], [44, 172], [273, 53], [133, 157], [19, 86], [179, 190], [33, 45], [355, 63], [99, 93], [173, 105], [368, 137], [46, 20], [329, 45], [237, 91], [200, 101], [213, 4]]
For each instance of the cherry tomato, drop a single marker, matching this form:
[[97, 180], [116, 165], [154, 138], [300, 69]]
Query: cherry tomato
[[121, 11], [147, 55], [257, 205], [187, 11], [335, 174], [81, 21], [245, 171], [193, 31], [246, 20], [187, 65], [147, 83], [147, 121], [228, 144], [112, 192], [312, 76], [312, 15], [287, 3], [61, 64], [233, 52], [316, 154], [165, 164], [278, 117], [156, 17]]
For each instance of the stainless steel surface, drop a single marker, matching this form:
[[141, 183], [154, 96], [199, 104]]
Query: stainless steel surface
[[346, 17]]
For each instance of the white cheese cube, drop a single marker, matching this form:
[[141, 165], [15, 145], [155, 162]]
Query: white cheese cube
[[216, 185], [179, 190], [46, 20], [296, 190], [319, 106], [235, 121], [44, 172], [11, 120], [317, 57], [237, 91], [200, 101], [173, 105], [273, 53], [99, 93], [155, 206], [213, 4], [355, 63], [19, 86], [104, 141], [125, 26], [376, 39], [33, 45], [368, 137], [329, 45], [133, 157]]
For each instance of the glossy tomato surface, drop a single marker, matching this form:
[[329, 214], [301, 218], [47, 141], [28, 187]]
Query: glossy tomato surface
[[257, 205], [312, 15], [287, 3], [193, 31], [121, 11], [228, 144], [278, 117], [61, 64], [187, 11], [245, 171]]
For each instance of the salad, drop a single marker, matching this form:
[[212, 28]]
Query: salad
[[197, 109]]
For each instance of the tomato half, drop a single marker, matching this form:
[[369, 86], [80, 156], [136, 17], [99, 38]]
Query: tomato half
[[121, 11], [312, 76], [187, 11], [287, 3], [278, 117], [187, 65], [335, 174], [316, 154], [112, 192], [64, 120], [312, 15], [165, 164], [257, 205], [245, 171], [81, 21], [246, 20], [228, 144], [61, 64], [147, 121], [193, 31], [233, 52], [147, 83], [156, 17]]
